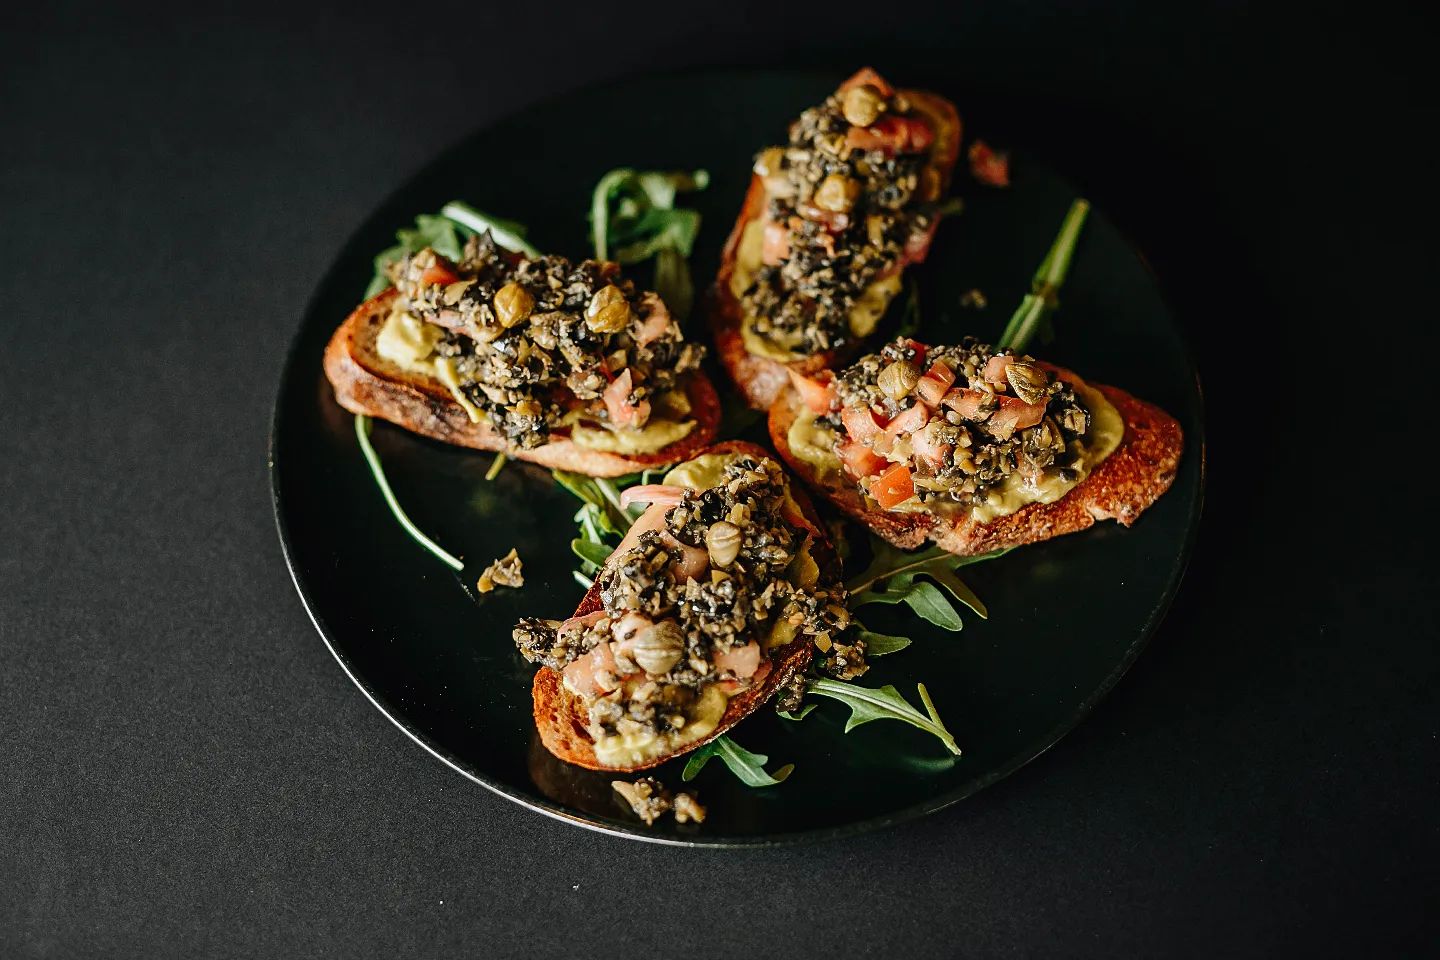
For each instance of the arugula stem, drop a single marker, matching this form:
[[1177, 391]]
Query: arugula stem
[[1043, 298], [362, 433], [848, 691], [600, 210], [869, 578], [581, 579], [468, 216], [495, 466]]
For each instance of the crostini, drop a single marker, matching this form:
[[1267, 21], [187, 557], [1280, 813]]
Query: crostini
[[565, 365], [718, 596], [829, 224], [974, 448]]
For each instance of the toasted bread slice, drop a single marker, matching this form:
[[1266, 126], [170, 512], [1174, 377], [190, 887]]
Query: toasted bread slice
[[367, 383], [759, 379], [560, 716], [1119, 488]]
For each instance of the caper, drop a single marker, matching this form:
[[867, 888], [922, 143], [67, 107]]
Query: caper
[[513, 304], [658, 648], [1030, 383], [898, 379], [837, 193], [723, 542], [603, 298], [768, 162], [453, 292], [862, 105], [611, 318]]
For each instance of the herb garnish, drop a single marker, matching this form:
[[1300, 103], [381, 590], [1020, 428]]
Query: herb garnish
[[362, 433], [1033, 314], [446, 233], [882, 703], [891, 578], [633, 218], [749, 767]]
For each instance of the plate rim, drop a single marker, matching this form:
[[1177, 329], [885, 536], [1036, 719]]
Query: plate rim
[[292, 365]]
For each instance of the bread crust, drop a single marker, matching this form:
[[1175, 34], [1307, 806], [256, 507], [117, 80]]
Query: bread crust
[[560, 717], [1120, 488], [366, 383], [761, 380]]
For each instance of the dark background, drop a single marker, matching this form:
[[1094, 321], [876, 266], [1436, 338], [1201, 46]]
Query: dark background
[[187, 772]]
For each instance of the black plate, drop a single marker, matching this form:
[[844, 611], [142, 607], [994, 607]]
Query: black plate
[[1067, 617]]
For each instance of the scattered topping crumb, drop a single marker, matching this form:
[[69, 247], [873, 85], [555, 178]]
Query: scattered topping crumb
[[974, 299], [504, 572], [651, 801], [687, 808]]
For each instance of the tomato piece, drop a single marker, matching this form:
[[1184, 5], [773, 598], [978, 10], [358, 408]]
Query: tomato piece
[[623, 413], [439, 273], [936, 381], [1014, 414], [860, 423], [965, 402], [891, 135], [892, 487], [907, 421], [859, 459], [928, 449], [995, 369], [867, 75], [775, 246], [816, 393], [988, 166]]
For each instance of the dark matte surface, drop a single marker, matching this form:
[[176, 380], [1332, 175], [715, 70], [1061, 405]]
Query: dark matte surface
[[186, 772]]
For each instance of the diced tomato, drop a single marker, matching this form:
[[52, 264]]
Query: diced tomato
[[934, 383], [860, 460], [776, 245], [965, 402], [929, 450], [1014, 414], [891, 135], [917, 245], [892, 487], [988, 166], [652, 519], [692, 562], [860, 423], [586, 673], [744, 661], [995, 369], [657, 319], [815, 391], [576, 623], [919, 348], [867, 75], [652, 493], [907, 421], [623, 413], [438, 273]]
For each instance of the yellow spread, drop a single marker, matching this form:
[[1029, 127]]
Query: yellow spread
[[630, 749], [812, 442], [409, 343], [866, 313]]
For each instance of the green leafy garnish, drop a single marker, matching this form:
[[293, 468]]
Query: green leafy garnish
[[892, 576], [633, 218], [362, 433], [593, 553], [879, 644], [495, 466], [749, 767], [884, 703], [446, 233], [1033, 314]]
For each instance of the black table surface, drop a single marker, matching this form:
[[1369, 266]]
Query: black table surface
[[187, 772]]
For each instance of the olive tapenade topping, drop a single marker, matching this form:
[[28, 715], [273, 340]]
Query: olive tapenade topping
[[847, 205], [535, 340], [695, 602], [986, 414]]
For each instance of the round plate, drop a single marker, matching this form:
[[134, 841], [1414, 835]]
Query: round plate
[[1066, 617]]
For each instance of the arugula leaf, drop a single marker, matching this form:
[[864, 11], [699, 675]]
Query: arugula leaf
[[891, 578], [884, 703], [362, 434], [749, 767], [800, 714], [446, 234], [633, 218], [879, 644], [1033, 314], [591, 552]]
